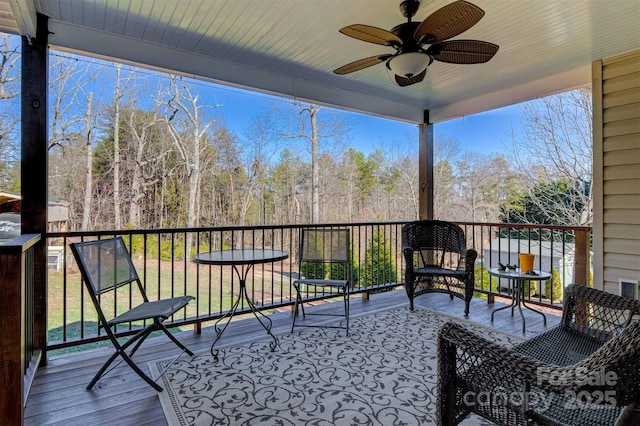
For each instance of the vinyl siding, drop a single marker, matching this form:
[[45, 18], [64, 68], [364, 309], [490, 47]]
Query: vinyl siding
[[616, 122]]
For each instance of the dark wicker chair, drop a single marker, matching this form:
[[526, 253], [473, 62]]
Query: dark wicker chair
[[585, 371], [437, 260]]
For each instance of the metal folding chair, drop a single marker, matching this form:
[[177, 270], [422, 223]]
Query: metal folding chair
[[106, 266], [324, 271]]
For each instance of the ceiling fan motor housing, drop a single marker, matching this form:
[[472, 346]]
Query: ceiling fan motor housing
[[405, 31], [408, 8]]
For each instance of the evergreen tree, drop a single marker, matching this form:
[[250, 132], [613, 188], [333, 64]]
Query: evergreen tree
[[552, 203], [379, 267]]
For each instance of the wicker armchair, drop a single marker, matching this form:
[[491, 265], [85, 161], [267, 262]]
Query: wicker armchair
[[437, 260], [585, 371]]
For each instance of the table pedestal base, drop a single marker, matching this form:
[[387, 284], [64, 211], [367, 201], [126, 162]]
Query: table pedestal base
[[518, 300], [264, 320]]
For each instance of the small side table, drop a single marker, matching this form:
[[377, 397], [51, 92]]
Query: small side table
[[517, 279], [242, 262]]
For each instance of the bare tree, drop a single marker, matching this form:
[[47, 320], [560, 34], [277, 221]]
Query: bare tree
[[140, 127], [403, 170], [9, 91], [116, 149], [482, 183], [86, 216], [555, 145], [66, 176], [9, 61], [307, 127], [259, 147], [187, 127], [67, 82], [348, 183], [72, 118], [446, 151]]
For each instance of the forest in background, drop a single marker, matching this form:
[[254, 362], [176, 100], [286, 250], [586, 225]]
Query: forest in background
[[134, 148]]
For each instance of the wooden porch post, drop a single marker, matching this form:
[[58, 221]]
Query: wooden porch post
[[581, 269], [34, 176], [425, 168]]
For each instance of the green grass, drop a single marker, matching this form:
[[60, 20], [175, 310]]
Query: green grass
[[74, 310]]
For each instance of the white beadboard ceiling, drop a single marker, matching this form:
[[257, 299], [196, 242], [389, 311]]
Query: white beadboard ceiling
[[290, 47]]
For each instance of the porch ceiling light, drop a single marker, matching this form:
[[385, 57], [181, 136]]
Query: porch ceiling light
[[409, 64]]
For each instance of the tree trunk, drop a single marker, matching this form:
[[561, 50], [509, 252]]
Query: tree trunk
[[136, 188], [315, 173], [116, 153], [86, 214]]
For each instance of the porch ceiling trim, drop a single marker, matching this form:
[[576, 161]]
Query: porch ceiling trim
[[289, 48], [107, 46]]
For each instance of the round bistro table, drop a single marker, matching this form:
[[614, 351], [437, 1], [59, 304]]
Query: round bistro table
[[517, 279], [242, 262]]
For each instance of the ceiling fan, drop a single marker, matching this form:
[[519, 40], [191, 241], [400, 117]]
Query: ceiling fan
[[418, 44]]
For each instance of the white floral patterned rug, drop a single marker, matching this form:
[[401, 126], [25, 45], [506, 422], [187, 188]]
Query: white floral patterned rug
[[383, 373]]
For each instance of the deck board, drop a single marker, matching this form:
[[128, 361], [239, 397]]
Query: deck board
[[58, 395]]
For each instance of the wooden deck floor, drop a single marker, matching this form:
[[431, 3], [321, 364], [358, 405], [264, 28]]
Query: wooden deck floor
[[58, 395]]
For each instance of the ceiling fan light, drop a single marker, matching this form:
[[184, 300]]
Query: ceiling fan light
[[409, 64]]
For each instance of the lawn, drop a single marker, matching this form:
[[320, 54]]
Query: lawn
[[71, 314]]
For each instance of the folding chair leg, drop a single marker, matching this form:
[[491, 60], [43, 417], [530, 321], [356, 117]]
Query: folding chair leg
[[295, 308], [122, 351], [302, 307], [104, 367], [173, 339], [141, 373], [346, 308], [138, 339], [132, 364]]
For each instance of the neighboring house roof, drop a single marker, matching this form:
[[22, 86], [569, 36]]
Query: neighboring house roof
[[544, 248], [57, 210]]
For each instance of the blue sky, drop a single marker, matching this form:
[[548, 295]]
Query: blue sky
[[486, 132]]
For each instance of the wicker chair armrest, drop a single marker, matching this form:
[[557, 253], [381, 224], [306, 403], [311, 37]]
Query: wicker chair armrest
[[468, 260], [613, 367], [597, 313], [408, 257], [407, 250], [466, 345], [576, 292]]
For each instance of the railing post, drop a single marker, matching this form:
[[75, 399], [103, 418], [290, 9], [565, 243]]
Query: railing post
[[581, 270], [16, 327]]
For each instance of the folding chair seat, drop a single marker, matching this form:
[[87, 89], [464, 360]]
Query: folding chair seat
[[324, 262], [106, 266]]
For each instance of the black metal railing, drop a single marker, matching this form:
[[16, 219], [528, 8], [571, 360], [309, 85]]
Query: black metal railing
[[563, 251], [164, 264]]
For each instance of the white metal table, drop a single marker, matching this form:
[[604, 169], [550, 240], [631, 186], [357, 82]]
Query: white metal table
[[517, 279]]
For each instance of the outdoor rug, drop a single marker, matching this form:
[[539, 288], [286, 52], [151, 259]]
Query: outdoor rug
[[383, 373]]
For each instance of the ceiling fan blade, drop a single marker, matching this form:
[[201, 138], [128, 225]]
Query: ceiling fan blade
[[404, 81], [463, 51], [372, 35], [448, 21], [361, 64]]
